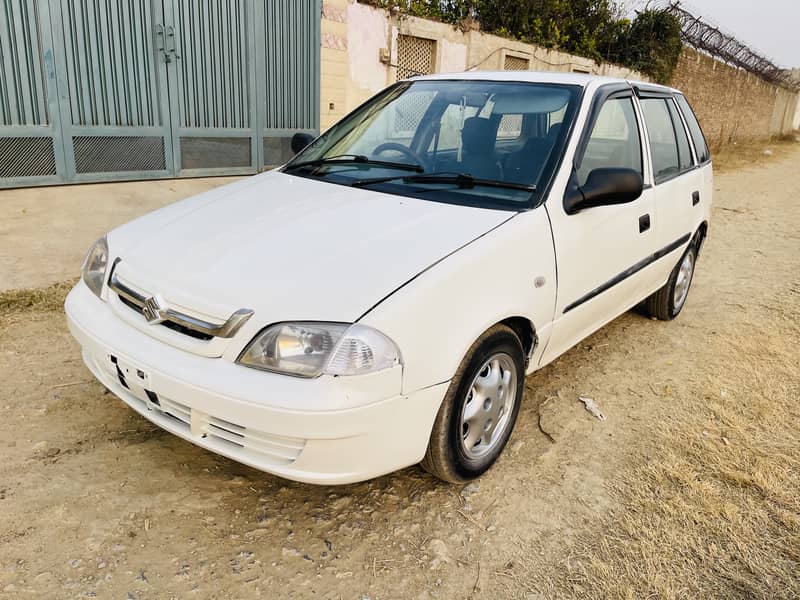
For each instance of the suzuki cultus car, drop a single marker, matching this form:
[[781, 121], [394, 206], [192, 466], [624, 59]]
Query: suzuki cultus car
[[377, 301]]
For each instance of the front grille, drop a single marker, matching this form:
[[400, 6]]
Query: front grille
[[240, 440], [280, 448], [199, 335], [221, 435]]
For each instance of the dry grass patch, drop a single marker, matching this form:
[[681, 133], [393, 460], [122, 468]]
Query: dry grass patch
[[713, 508], [42, 299], [741, 155]]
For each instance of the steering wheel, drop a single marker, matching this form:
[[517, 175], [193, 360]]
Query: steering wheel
[[404, 150]]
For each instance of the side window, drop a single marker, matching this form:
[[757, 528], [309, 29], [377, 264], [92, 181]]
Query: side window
[[614, 141], [699, 140], [663, 145], [684, 152]]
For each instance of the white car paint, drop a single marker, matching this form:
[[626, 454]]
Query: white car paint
[[431, 276]]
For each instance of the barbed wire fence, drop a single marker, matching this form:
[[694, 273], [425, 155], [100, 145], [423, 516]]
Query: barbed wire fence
[[708, 38]]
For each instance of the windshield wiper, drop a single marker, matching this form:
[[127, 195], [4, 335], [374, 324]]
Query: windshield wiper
[[462, 180], [357, 159]]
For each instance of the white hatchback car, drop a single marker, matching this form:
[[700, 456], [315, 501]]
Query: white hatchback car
[[377, 301]]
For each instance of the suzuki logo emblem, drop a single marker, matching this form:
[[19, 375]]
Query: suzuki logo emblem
[[153, 310]]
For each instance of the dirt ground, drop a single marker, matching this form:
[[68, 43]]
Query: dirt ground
[[689, 489], [46, 231]]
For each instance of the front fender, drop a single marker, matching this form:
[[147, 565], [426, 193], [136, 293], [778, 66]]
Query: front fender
[[435, 317]]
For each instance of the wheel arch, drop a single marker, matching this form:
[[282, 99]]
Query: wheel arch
[[700, 236], [525, 331]]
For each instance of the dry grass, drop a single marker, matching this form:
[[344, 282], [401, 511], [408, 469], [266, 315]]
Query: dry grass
[[713, 507], [42, 299], [751, 154]]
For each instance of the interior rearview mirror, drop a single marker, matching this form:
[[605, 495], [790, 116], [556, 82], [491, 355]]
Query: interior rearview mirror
[[300, 141], [603, 187]]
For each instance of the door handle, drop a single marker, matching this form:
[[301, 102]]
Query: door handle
[[173, 50], [644, 223], [695, 198], [160, 40]]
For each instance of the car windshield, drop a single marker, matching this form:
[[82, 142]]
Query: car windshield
[[490, 144]]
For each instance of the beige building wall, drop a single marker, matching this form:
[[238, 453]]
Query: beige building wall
[[359, 54]]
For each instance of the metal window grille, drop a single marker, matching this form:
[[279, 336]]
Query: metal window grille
[[215, 152], [415, 56], [26, 157], [510, 127], [516, 63], [409, 110], [104, 154]]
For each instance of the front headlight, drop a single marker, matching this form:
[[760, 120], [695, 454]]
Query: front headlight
[[94, 266], [309, 349]]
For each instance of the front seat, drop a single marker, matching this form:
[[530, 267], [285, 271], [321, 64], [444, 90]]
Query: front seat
[[478, 158], [525, 165]]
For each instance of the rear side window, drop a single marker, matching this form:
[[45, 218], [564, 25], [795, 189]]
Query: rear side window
[[684, 152], [614, 141], [663, 145], [699, 140]]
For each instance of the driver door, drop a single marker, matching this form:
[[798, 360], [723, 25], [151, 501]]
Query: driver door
[[599, 250]]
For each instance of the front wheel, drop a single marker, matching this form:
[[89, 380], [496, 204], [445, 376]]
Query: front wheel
[[667, 302], [480, 408]]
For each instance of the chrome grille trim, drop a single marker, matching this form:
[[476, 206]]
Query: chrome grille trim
[[221, 330]]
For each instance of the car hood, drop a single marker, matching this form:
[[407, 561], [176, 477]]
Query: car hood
[[291, 248]]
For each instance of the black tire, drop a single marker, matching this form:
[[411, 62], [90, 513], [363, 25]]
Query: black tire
[[446, 457], [662, 304]]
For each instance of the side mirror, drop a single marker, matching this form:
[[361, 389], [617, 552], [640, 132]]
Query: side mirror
[[300, 141], [603, 187]]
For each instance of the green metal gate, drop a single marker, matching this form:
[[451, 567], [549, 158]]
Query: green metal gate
[[138, 89]]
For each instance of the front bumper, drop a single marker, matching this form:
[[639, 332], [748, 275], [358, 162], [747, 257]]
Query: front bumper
[[371, 429]]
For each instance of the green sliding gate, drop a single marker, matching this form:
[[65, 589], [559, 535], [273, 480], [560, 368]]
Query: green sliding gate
[[99, 90]]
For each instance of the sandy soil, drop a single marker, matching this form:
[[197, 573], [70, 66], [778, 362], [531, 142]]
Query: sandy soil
[[97, 502]]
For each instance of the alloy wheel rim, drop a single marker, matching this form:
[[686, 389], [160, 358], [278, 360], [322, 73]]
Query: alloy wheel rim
[[488, 407], [683, 280]]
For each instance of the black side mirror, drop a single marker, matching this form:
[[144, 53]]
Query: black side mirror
[[300, 141], [603, 187]]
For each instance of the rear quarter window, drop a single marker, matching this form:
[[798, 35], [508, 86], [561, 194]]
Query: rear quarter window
[[684, 153], [700, 145]]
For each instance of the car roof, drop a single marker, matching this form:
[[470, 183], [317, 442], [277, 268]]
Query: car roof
[[581, 79]]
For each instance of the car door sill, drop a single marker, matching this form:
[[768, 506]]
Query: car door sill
[[632, 270]]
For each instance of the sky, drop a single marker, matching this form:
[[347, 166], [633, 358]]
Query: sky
[[769, 27]]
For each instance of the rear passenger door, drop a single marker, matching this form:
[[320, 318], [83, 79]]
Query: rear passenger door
[[702, 157], [677, 183]]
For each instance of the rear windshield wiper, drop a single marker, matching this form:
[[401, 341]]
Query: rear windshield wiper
[[462, 180], [350, 159]]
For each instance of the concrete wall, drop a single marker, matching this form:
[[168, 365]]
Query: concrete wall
[[353, 36], [796, 120], [733, 105]]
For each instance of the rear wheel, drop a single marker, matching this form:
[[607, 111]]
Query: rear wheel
[[667, 302], [480, 408]]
